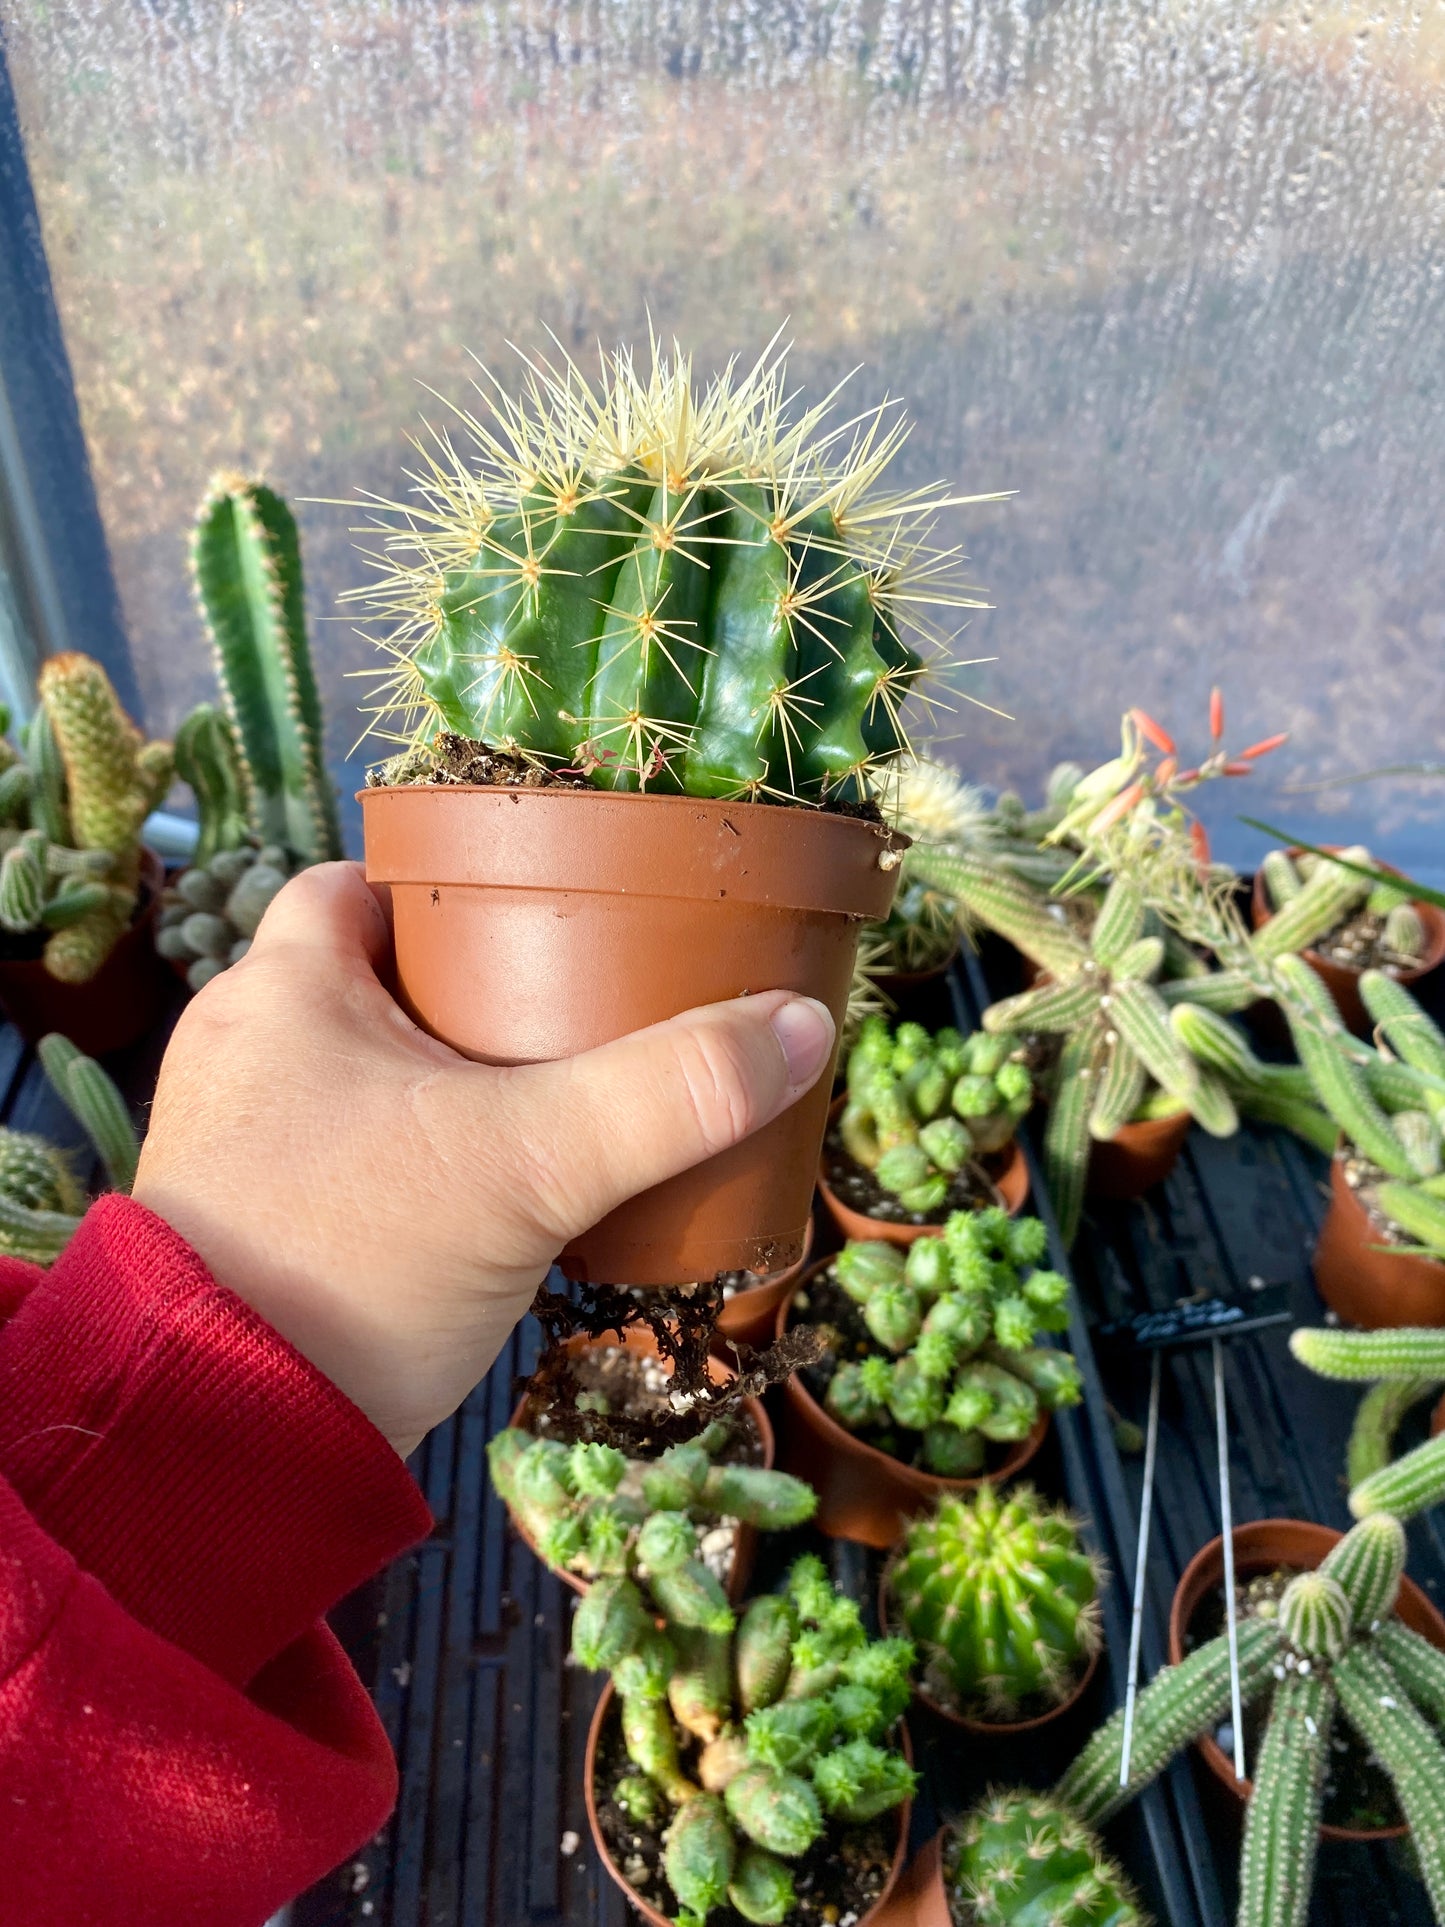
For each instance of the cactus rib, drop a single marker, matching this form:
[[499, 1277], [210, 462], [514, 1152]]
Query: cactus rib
[[1281, 1830], [1374, 1701]]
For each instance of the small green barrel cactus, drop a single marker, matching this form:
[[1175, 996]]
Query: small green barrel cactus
[[1001, 1599], [1022, 1859], [665, 588]]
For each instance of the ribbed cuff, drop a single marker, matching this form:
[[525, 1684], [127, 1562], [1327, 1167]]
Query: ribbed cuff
[[215, 1483]]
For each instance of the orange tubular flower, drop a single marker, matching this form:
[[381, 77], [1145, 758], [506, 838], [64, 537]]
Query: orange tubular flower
[[1152, 731], [1199, 841], [1216, 713], [1238, 769], [1263, 749], [1166, 772], [1113, 812]]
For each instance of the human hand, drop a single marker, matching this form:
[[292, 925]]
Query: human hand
[[391, 1207]]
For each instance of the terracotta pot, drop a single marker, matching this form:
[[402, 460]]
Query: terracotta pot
[[1141, 1156], [1342, 980], [889, 1622], [1011, 1182], [1437, 1420], [877, 1915], [1261, 1547], [125, 998], [532, 924], [1366, 1284], [749, 1316], [638, 1339], [863, 1493], [919, 1899]]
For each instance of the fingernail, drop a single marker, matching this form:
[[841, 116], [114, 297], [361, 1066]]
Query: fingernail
[[804, 1029]]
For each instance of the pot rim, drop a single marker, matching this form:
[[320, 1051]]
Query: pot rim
[[1206, 1569], [648, 1912], [745, 1537], [1348, 1200], [985, 1729], [926, 1484]]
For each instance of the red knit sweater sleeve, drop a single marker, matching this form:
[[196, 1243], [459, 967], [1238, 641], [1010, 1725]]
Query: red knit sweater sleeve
[[181, 1497]]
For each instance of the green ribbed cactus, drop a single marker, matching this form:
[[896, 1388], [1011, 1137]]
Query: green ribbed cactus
[[71, 810], [1001, 1599], [955, 1319], [1119, 1044], [208, 760], [1024, 1860], [246, 563], [668, 588], [41, 1201], [799, 1707], [1308, 908], [1406, 1365], [920, 1107], [94, 1101]]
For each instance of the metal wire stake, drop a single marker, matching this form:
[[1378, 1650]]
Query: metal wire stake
[[1141, 1561], [1226, 1522]]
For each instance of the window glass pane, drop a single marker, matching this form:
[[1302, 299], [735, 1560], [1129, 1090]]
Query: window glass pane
[[1171, 269]]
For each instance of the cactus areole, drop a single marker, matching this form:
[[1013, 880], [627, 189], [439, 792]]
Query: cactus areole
[[647, 617]]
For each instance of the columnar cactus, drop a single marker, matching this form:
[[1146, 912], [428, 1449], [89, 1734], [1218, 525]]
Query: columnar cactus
[[1311, 896], [94, 1101], [665, 588], [1001, 1599], [1023, 1857], [246, 562], [72, 809], [955, 1320], [1402, 1366], [796, 1741], [920, 1106], [208, 759]]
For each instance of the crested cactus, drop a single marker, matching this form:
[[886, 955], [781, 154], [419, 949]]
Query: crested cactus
[[799, 1704], [663, 588], [1001, 1599], [1025, 1857], [246, 563], [955, 1319]]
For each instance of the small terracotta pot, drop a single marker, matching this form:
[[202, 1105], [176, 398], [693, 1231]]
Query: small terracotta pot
[[889, 1622], [1011, 1183], [532, 924], [863, 1494], [1262, 1547], [638, 1339], [877, 1915], [1366, 1284], [919, 1899], [1141, 1156], [749, 1315], [1342, 980], [123, 1000]]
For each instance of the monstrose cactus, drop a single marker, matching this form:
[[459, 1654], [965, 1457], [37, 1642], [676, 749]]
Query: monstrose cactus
[[955, 1321], [666, 588], [1001, 1599], [754, 1738]]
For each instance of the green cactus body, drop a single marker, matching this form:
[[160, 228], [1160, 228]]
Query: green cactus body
[[95, 1102], [35, 1235], [787, 1735], [1373, 1699], [1177, 1706], [40, 1199], [700, 1688], [860, 1779], [778, 1811], [1340, 1083], [1403, 1352], [246, 560], [1120, 1092], [207, 760], [762, 1888], [1315, 1615], [1403, 931], [1416, 1212], [1409, 1032], [699, 1853], [1281, 1830], [608, 1623], [1005, 903], [1419, 1666], [645, 1671], [650, 1741], [1119, 923], [1325, 900], [1066, 1137], [771, 1500], [638, 1799], [1377, 1419], [861, 1267], [1001, 1596], [1142, 1020], [1306, 1120], [48, 812], [1023, 1860], [1410, 1485], [1282, 881]]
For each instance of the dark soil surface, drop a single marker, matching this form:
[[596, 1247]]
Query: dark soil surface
[[628, 1384], [1357, 1792], [971, 1190], [837, 1880], [830, 1310], [1359, 944]]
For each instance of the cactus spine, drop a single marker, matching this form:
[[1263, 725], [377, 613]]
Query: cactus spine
[[1374, 1701], [1024, 1857], [246, 561], [1281, 1829], [1000, 1597]]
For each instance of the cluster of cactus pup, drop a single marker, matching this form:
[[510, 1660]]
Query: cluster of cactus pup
[[955, 1321], [1312, 896], [749, 1737], [591, 1511], [920, 1107], [1000, 1597]]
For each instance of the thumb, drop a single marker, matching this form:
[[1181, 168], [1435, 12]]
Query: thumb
[[633, 1113]]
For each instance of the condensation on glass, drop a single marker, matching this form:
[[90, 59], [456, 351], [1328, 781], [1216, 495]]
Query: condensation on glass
[[1170, 269]]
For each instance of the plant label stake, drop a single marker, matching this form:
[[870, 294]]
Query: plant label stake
[[1194, 1321]]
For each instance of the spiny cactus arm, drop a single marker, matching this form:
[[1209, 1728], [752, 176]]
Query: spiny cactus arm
[[1373, 1700], [762, 1650], [1416, 1212], [650, 1740], [48, 810], [1225, 991], [860, 1779], [1136, 1011], [1179, 1704], [1377, 1419], [95, 1102], [207, 761], [1419, 1667], [1051, 1008], [1282, 1823], [1119, 923], [762, 1888], [24, 886], [1306, 1120], [1212, 1107], [772, 1500], [1409, 1032], [1411, 1484], [778, 1811], [1066, 1136], [1406, 1351], [98, 745], [1339, 1082], [700, 1688], [1369, 1563], [1328, 896], [36, 1235], [1022, 1857], [1282, 881], [1315, 1615], [73, 902], [690, 1595], [246, 560], [1003, 903]]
